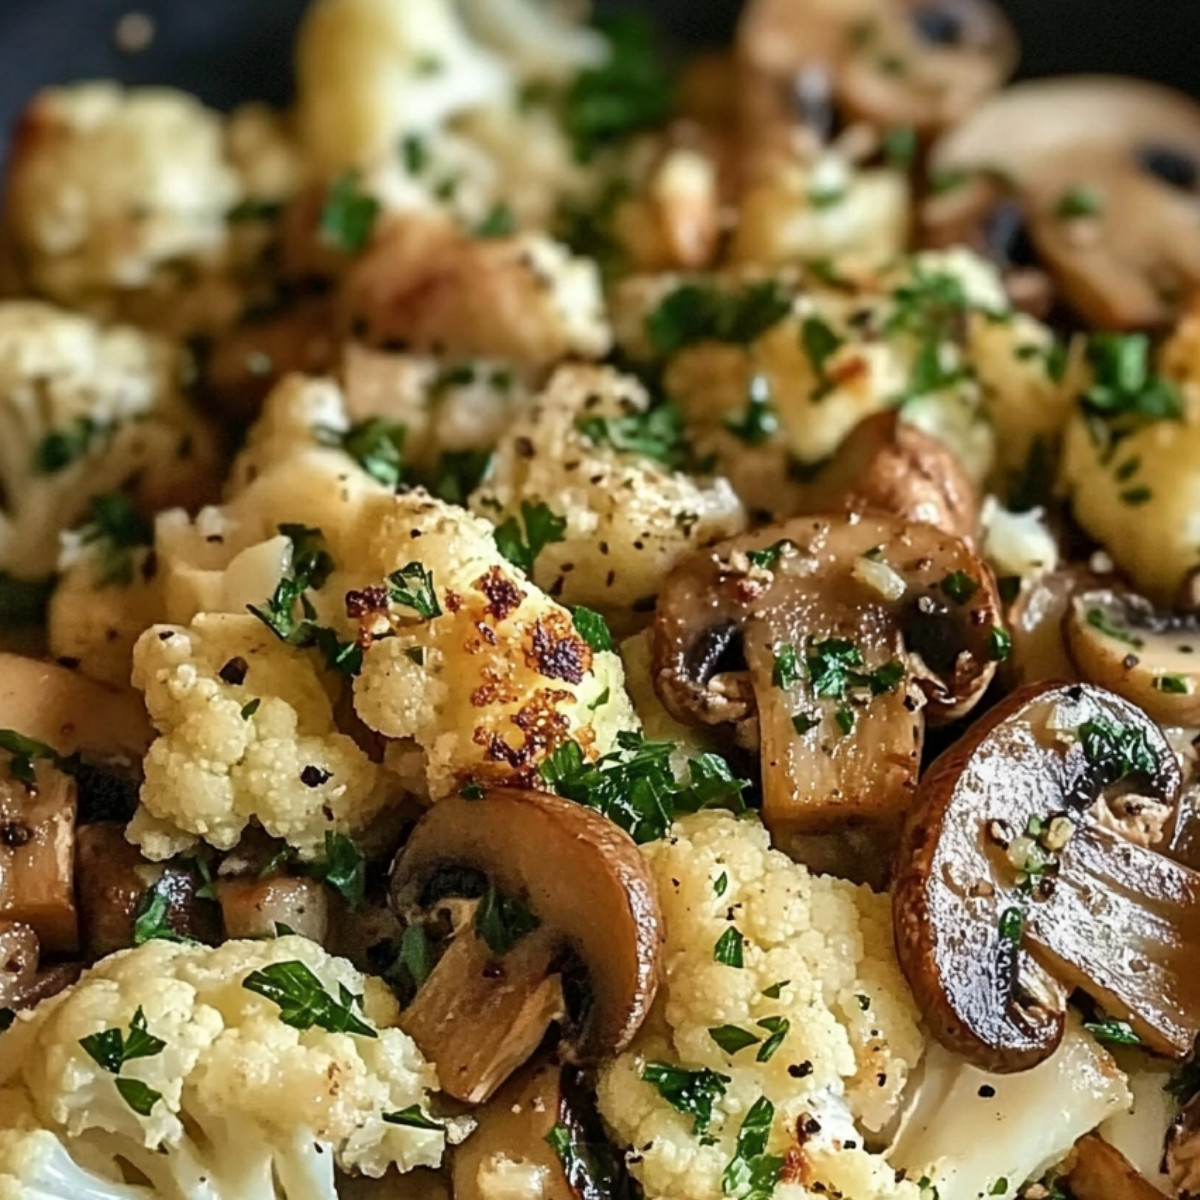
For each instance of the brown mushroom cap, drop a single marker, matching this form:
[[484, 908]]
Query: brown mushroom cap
[[582, 877], [1117, 640], [1134, 148], [888, 465], [991, 958], [922, 63], [874, 589]]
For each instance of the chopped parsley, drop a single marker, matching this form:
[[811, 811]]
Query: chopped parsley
[[729, 947], [24, 751], [960, 586], [942, 183], [1078, 201], [758, 422], [786, 671], [931, 308], [348, 215], [248, 710], [412, 587], [141, 1097], [498, 223], [1126, 394], [593, 628], [1117, 750], [153, 920], [834, 667], [521, 541], [114, 529], [414, 1117], [692, 1093], [635, 785], [342, 867], [721, 884], [820, 343], [776, 989], [376, 444], [733, 1039], [999, 644], [900, 147], [405, 962], [696, 312], [778, 1028], [1101, 621], [752, 1174], [61, 448], [414, 152], [1012, 925], [458, 473], [656, 434], [845, 720], [1174, 685], [630, 91], [1113, 1033], [769, 555], [111, 1049], [303, 1001], [502, 922]]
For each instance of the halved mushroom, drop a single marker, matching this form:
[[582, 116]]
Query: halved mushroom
[[1012, 891], [918, 63], [1119, 641], [554, 919], [1101, 1172], [512, 1150], [887, 465], [829, 640], [22, 984], [1107, 174]]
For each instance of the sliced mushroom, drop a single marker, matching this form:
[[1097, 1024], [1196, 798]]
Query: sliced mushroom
[[832, 638], [37, 856], [918, 63], [1182, 1159], [511, 1151], [113, 885], [887, 465], [1011, 893], [555, 920], [1035, 620], [1119, 641], [22, 984], [1107, 174], [1101, 1172], [259, 907]]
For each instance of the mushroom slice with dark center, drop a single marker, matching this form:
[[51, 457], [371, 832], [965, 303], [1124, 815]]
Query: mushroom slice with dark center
[[918, 63], [851, 630], [1119, 641], [542, 1125], [1010, 893], [555, 919], [887, 465], [1105, 172]]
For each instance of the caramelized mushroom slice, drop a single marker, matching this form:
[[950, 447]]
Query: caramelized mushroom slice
[[555, 920], [834, 633], [918, 63], [22, 984], [1101, 1172], [1011, 893], [259, 907], [1119, 641], [887, 465], [1107, 174], [539, 1128]]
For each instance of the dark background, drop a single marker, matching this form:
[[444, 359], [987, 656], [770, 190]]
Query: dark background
[[228, 50]]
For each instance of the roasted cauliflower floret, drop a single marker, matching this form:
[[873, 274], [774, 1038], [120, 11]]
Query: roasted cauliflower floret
[[816, 1032], [476, 667], [226, 1072], [87, 410], [246, 732], [592, 448], [109, 187]]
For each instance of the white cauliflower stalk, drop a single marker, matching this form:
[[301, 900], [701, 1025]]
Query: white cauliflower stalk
[[816, 1024], [246, 732], [246, 1072], [84, 411], [592, 449]]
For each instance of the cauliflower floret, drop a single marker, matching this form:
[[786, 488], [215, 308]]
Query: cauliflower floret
[[370, 71], [630, 518], [246, 731], [241, 1084], [498, 678], [86, 410], [110, 187], [538, 40], [818, 967]]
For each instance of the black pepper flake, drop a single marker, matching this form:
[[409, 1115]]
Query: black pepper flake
[[812, 1126], [800, 1070], [313, 776], [234, 672], [987, 1091]]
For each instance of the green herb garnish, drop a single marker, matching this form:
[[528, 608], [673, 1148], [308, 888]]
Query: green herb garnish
[[593, 628], [692, 1093], [695, 313], [502, 922], [348, 215], [303, 1001], [412, 587], [542, 526], [729, 947]]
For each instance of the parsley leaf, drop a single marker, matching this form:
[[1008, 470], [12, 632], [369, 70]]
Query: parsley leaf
[[960, 586], [752, 1174], [303, 1001], [696, 312], [1113, 1033], [141, 1097], [656, 434], [498, 223], [110, 1049], [411, 960], [1126, 395], [1118, 751], [593, 628], [1079, 201], [414, 1117], [786, 671], [458, 473], [1104, 623], [376, 444], [153, 920], [778, 1028], [502, 922], [820, 343], [729, 947], [348, 215], [759, 420], [542, 527], [114, 529], [732, 1038], [412, 587], [24, 752], [342, 867], [635, 786], [692, 1093], [61, 448]]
